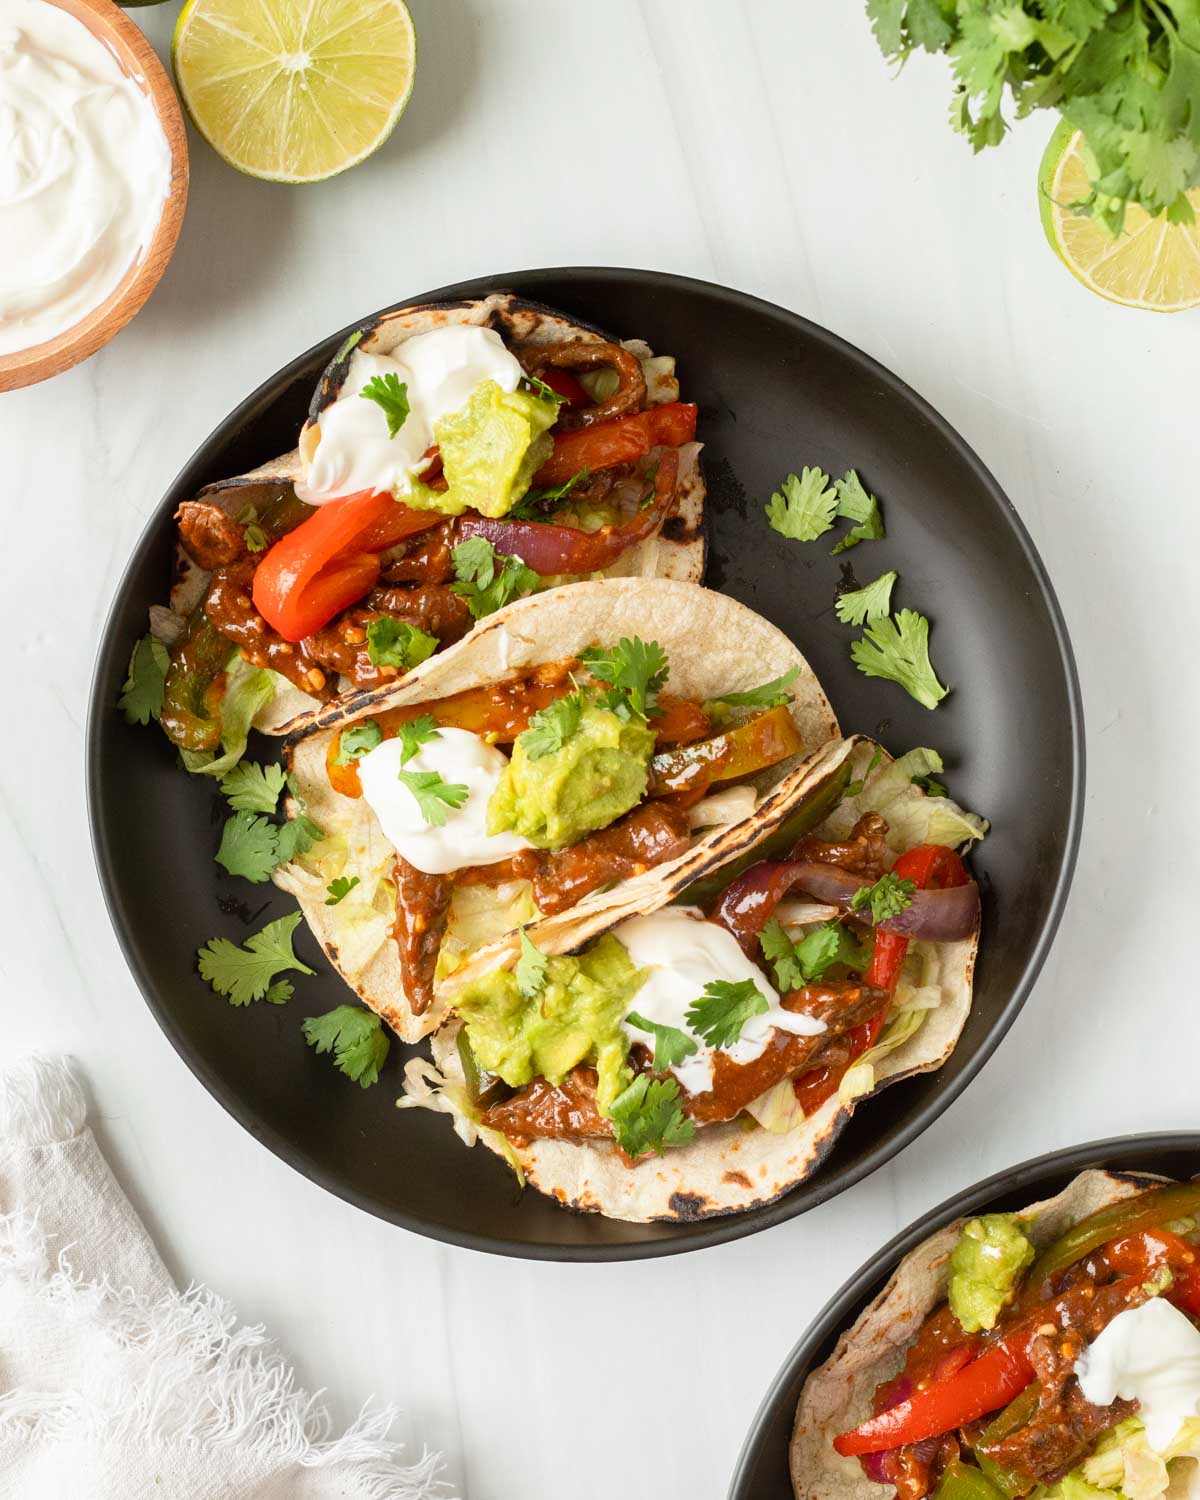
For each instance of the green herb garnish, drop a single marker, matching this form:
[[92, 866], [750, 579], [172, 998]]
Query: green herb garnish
[[396, 643], [142, 696], [355, 1037], [803, 507], [886, 898], [434, 795], [390, 394], [671, 1045], [245, 974], [897, 648], [647, 1116], [871, 602], [720, 1015]]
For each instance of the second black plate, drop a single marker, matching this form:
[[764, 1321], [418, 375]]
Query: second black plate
[[775, 393]]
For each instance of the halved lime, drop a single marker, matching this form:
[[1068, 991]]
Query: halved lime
[[294, 92], [1150, 264]]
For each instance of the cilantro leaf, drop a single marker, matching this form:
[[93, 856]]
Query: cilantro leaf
[[930, 785], [339, 888], [142, 696], [297, 836], [433, 794], [389, 393], [535, 504], [256, 538], [671, 1045], [245, 974], [897, 649], [636, 670], [871, 602], [721, 1013], [886, 898], [858, 505], [416, 732], [551, 727], [396, 643], [530, 968], [253, 788], [647, 1116], [855, 788], [249, 847], [488, 579], [356, 741], [803, 508], [280, 992], [773, 694], [355, 1037], [806, 962]]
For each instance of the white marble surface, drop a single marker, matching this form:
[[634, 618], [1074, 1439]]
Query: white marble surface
[[762, 144]]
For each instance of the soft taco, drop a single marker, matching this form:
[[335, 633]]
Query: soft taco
[[456, 456], [584, 747], [698, 1050], [1053, 1352]]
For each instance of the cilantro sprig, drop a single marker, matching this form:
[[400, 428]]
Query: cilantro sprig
[[248, 973], [339, 888], [253, 788], [647, 1116], [531, 968], [251, 846], [721, 1013], [357, 741], [536, 504], [397, 643], [871, 602], [809, 960], [355, 1037], [551, 727], [857, 504], [145, 682], [635, 670], [804, 506], [414, 733], [390, 394], [886, 898], [773, 694], [671, 1046], [433, 795], [487, 579], [897, 648]]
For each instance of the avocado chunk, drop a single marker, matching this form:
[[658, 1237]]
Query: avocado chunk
[[576, 1017], [491, 448], [600, 772], [991, 1253]]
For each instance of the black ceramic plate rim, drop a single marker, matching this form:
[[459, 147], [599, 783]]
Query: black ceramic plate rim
[[829, 1181], [1120, 1153]]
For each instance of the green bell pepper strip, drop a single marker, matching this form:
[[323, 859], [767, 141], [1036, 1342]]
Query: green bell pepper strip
[[960, 1481], [1015, 1415], [1146, 1210]]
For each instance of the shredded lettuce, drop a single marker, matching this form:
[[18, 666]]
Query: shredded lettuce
[[1125, 1467], [483, 914], [426, 1086], [247, 690], [778, 1110], [913, 817], [859, 1078]]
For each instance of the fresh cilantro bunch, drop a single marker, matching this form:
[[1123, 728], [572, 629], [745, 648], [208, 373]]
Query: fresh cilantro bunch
[[1125, 72], [635, 670]]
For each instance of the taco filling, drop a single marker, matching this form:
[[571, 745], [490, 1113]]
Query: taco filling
[[1067, 1368], [771, 989], [436, 482], [546, 787]]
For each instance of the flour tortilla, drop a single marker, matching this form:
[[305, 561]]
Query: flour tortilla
[[714, 645], [837, 1395], [731, 1167], [678, 551]]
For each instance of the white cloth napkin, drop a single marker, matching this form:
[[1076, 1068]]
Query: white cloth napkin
[[116, 1385]]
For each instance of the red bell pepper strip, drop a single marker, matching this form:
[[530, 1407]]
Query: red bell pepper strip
[[984, 1385], [330, 560], [550, 549], [1184, 1292], [621, 442], [813, 1088], [931, 867]]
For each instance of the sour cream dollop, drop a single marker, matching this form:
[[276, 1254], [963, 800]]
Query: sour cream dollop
[[684, 952], [1149, 1354], [440, 370], [84, 172], [459, 757]]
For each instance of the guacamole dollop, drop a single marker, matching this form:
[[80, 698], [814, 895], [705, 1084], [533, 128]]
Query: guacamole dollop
[[598, 774], [491, 449], [991, 1253], [575, 1018]]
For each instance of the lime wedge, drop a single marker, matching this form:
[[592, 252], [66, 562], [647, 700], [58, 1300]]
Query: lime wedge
[[1151, 264], [294, 92]]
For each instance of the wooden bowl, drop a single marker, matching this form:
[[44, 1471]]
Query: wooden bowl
[[125, 40]]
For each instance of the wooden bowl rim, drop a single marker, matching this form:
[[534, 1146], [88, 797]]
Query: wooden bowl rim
[[138, 60]]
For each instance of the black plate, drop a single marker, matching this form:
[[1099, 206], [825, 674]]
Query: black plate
[[762, 1467], [775, 393]]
